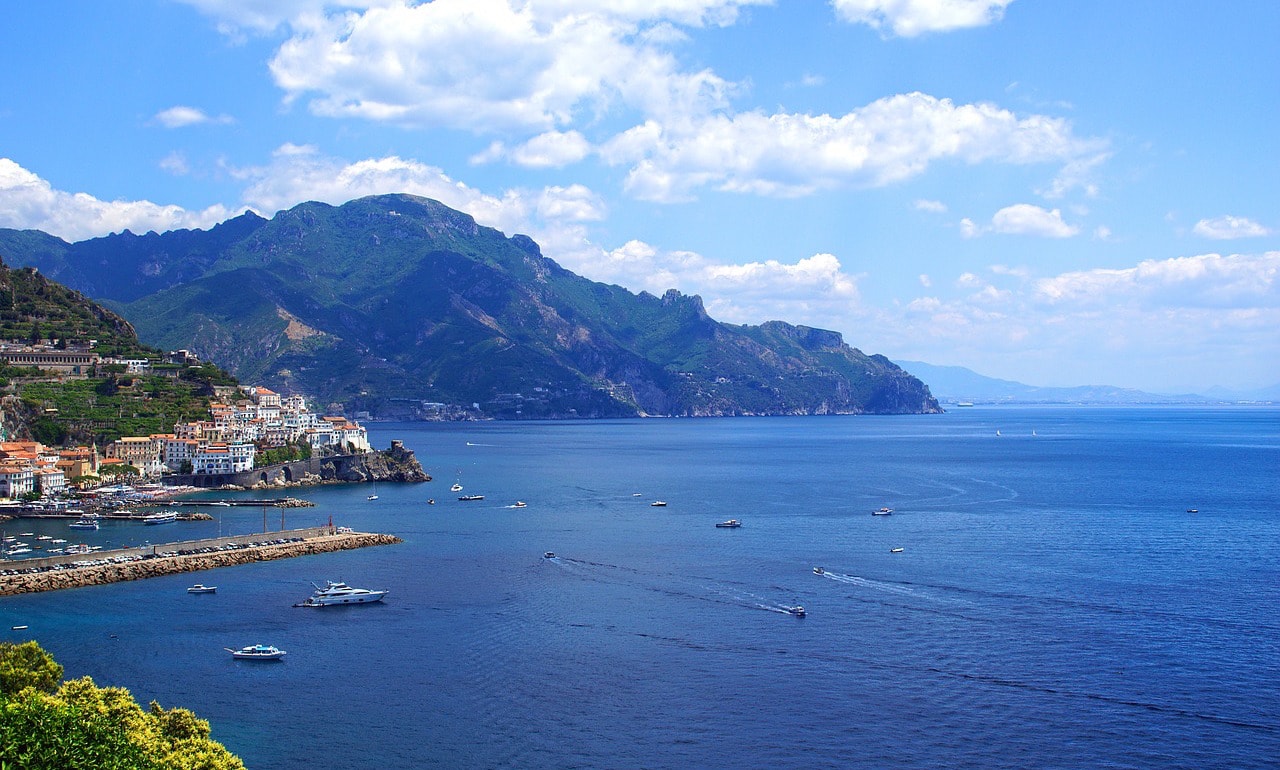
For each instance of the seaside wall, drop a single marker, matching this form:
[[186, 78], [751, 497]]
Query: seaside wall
[[146, 567]]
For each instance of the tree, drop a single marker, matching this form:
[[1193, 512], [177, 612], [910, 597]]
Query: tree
[[27, 665], [83, 726]]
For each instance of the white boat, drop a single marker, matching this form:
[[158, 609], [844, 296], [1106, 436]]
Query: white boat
[[471, 498], [221, 503], [730, 524], [882, 512], [336, 593], [658, 504], [797, 610], [549, 555], [455, 488], [86, 521], [257, 652], [76, 549], [520, 504], [201, 588], [819, 571], [160, 518], [58, 541], [965, 403], [895, 550], [17, 551], [372, 497]]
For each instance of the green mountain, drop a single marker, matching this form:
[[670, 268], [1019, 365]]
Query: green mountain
[[389, 302], [56, 409]]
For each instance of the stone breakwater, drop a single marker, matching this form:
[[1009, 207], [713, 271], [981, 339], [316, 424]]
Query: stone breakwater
[[100, 574]]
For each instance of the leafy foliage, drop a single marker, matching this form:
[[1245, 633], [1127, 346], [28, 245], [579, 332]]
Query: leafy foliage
[[80, 725]]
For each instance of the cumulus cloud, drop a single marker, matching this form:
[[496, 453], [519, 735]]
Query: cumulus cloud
[[887, 141], [29, 202], [1225, 228], [909, 18], [553, 149], [1203, 281], [1026, 219], [575, 74], [483, 65], [182, 116], [1022, 219], [1184, 319]]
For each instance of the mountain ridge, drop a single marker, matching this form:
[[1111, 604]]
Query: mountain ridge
[[958, 383], [391, 303]]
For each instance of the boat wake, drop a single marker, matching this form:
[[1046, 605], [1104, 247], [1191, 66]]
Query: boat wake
[[699, 588]]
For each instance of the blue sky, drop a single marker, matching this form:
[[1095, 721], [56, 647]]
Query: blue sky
[[1060, 193]]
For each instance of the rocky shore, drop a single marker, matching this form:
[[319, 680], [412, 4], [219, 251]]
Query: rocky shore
[[99, 574]]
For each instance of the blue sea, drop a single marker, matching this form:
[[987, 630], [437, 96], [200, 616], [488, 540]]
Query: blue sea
[[1055, 604]]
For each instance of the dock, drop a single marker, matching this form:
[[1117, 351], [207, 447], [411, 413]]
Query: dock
[[102, 567]]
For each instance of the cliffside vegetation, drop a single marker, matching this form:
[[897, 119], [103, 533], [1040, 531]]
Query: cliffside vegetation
[[58, 409], [394, 303], [48, 724]]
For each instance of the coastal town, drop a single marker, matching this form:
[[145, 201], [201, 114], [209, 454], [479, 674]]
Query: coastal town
[[231, 440]]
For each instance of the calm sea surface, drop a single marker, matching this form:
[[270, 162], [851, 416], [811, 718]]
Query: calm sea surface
[[1055, 605]]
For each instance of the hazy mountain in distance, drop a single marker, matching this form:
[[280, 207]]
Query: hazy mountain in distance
[[951, 384]]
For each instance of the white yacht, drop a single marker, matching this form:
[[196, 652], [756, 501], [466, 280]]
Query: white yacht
[[160, 518], [201, 588], [86, 521], [257, 652], [340, 593]]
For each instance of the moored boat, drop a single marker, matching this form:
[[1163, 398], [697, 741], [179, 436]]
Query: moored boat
[[160, 518], [86, 521], [337, 593], [201, 588]]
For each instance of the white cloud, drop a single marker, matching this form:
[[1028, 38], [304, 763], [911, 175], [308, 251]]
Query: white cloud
[[552, 149], [1203, 281], [1227, 227], [908, 18], [29, 202], [1026, 219], [887, 141], [175, 163], [483, 65], [182, 116], [936, 207], [1205, 319]]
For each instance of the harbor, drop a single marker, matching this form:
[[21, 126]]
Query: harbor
[[138, 563]]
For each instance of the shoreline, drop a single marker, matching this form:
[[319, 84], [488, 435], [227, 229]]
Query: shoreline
[[170, 562]]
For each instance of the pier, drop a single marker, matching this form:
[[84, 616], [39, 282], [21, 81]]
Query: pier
[[101, 567]]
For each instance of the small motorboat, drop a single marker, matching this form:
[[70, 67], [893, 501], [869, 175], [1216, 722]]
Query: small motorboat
[[257, 652], [549, 555], [470, 498], [201, 588], [520, 504], [635, 494], [1193, 510], [658, 504], [431, 501], [730, 524], [455, 488], [882, 512], [895, 550], [372, 497], [819, 571], [797, 610]]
